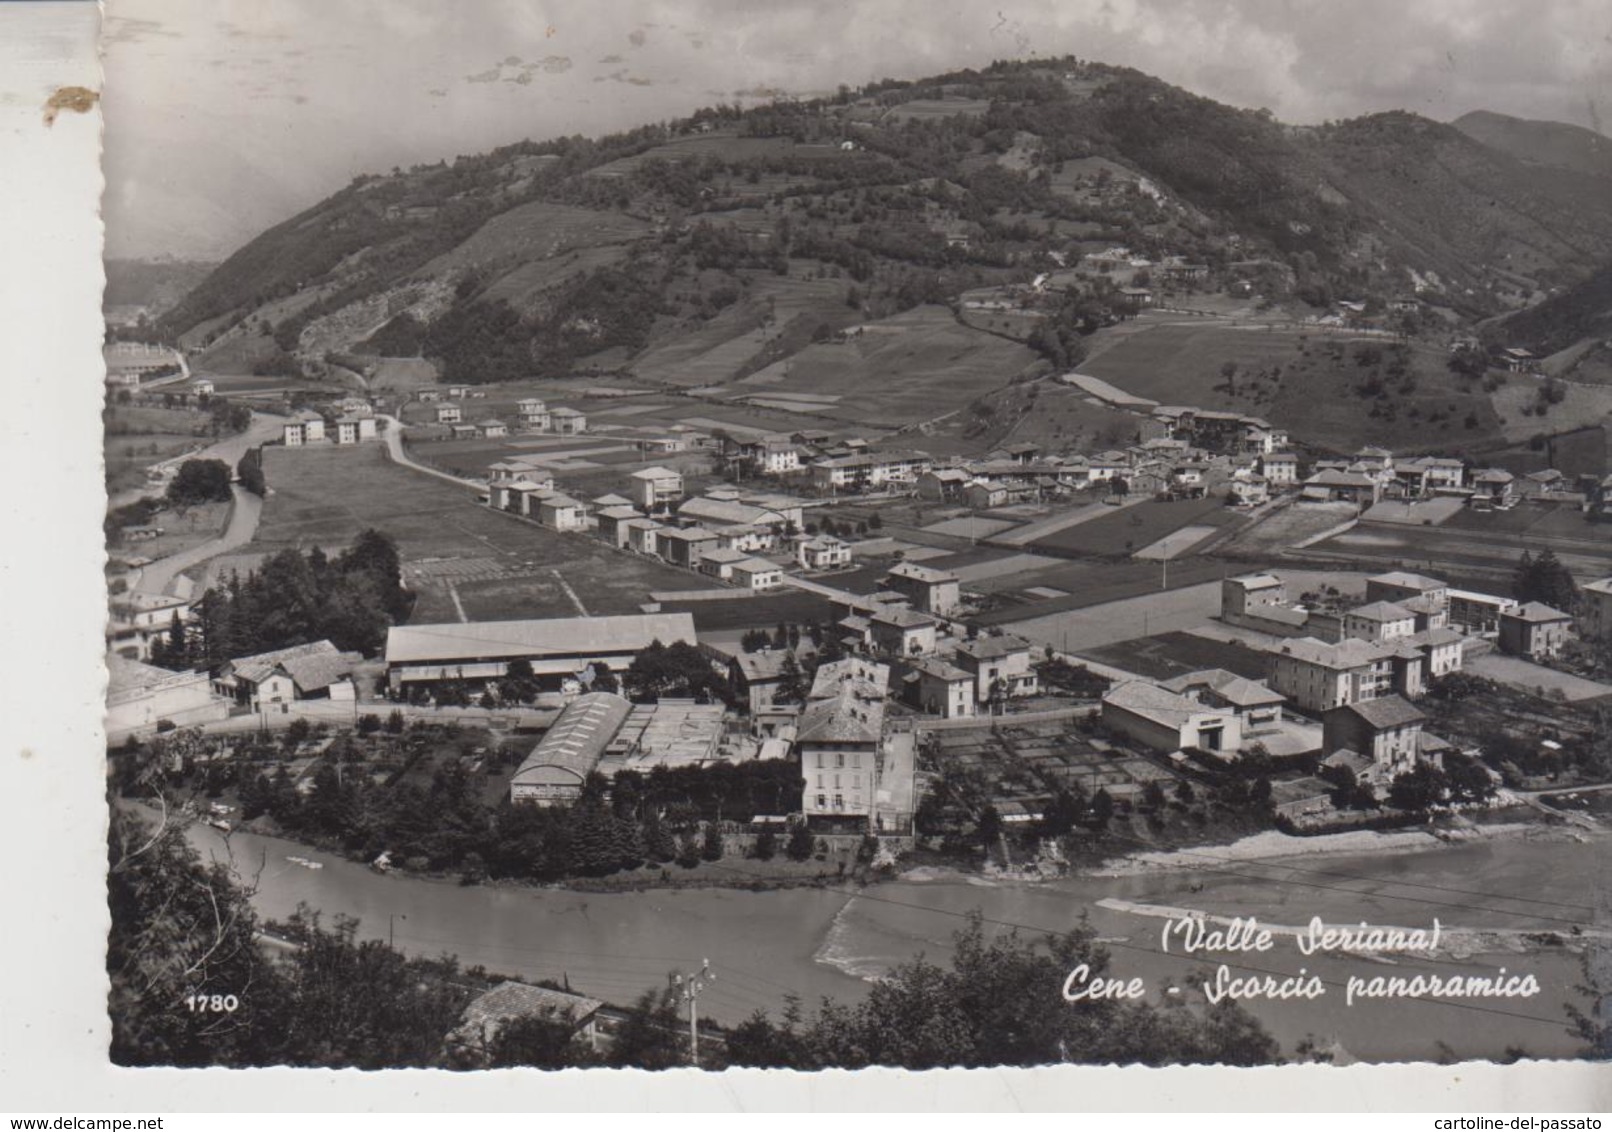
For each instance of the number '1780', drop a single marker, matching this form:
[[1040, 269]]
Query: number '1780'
[[212, 1003]]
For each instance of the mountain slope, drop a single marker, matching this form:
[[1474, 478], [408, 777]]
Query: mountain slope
[[666, 247], [1555, 144]]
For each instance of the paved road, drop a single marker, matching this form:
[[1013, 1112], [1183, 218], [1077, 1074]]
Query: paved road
[[392, 433], [158, 577]]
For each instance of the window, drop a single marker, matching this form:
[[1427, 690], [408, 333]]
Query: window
[[856, 762], [836, 782], [839, 760], [822, 801], [820, 758], [839, 801], [819, 782]]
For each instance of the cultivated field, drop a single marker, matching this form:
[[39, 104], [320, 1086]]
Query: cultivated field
[[1131, 529], [498, 565]]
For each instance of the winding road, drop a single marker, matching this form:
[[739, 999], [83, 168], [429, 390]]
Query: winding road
[[158, 577]]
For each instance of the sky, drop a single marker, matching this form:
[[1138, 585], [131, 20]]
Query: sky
[[224, 117]]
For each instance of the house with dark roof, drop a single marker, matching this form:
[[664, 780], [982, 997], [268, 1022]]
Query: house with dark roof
[[1380, 621], [275, 679], [1000, 665], [1387, 730], [472, 1042], [938, 687], [1534, 630], [901, 631], [930, 590], [838, 738], [1400, 586]]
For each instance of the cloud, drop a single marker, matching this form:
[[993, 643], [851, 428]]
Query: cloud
[[404, 81]]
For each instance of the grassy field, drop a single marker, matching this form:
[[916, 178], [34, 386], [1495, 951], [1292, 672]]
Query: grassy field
[[1131, 529], [128, 457], [912, 367], [499, 566], [1549, 520], [1173, 654], [182, 532], [1305, 381]]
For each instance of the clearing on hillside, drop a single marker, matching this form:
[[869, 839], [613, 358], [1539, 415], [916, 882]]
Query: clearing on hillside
[[1334, 392], [911, 367]]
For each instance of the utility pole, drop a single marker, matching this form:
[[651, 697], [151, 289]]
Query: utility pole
[[689, 988]]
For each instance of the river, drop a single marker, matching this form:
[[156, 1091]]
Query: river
[[817, 942]]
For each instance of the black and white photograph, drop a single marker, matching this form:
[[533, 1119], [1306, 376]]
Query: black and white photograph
[[846, 535]]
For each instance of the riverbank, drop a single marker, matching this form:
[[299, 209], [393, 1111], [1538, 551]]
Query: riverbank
[[1273, 844]]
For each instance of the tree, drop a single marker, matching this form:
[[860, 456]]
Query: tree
[[200, 481], [1544, 579], [766, 846], [549, 1040], [1060, 815], [800, 843], [989, 826], [181, 929], [711, 847], [250, 471], [1001, 1003], [651, 1035], [1418, 789], [1102, 808], [792, 687]]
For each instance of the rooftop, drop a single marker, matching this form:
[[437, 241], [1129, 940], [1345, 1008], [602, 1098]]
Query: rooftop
[[1408, 581], [1346, 654], [576, 742], [657, 473], [993, 648], [1385, 712], [1155, 703], [313, 666], [557, 636], [1381, 611], [1537, 612], [920, 573], [508, 1002], [1234, 689]]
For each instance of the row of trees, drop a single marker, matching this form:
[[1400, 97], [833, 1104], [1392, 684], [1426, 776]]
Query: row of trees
[[293, 599], [671, 814]]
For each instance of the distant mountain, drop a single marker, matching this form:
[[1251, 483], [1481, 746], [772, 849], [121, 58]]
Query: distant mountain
[[152, 284], [1556, 144], [733, 242]]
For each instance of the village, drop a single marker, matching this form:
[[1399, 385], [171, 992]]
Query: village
[[939, 644]]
